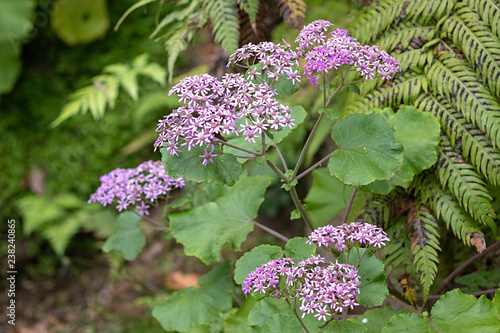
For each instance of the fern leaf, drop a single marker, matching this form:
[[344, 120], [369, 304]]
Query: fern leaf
[[222, 13], [445, 206], [475, 147], [424, 245], [293, 12], [402, 90], [251, 7], [377, 211], [475, 40], [403, 36], [489, 10], [455, 80], [381, 16], [465, 184], [181, 14], [397, 252], [413, 59]]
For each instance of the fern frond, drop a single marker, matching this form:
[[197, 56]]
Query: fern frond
[[251, 32], [403, 90], [403, 36], [455, 80], [474, 38], [465, 184], [186, 11], [222, 13], [293, 12], [381, 16], [424, 245], [445, 206], [474, 145], [489, 10], [251, 7], [398, 250], [176, 43], [377, 211], [413, 59]]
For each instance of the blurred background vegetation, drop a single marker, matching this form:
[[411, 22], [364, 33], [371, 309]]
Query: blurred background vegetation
[[50, 50]]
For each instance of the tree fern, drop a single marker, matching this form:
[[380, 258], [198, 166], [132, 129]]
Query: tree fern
[[465, 183], [293, 12], [475, 148], [404, 90], [424, 245], [475, 40], [454, 79], [446, 207], [251, 7], [222, 13], [489, 10]]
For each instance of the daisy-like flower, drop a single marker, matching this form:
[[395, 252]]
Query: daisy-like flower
[[135, 187]]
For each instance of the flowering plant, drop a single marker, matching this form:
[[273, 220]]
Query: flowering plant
[[224, 123]]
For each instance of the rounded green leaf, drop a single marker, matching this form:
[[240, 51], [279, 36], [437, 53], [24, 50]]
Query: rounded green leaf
[[374, 320], [373, 289], [128, 237], [368, 149], [205, 229], [255, 258], [419, 133], [298, 249], [80, 21], [411, 323], [224, 170], [191, 306]]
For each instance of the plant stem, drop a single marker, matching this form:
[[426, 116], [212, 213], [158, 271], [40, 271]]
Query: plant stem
[[323, 160], [404, 304], [278, 172], [271, 231], [306, 146], [303, 212], [464, 265], [294, 309], [349, 206], [281, 156], [245, 156]]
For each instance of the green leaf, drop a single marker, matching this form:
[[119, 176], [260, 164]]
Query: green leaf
[[264, 309], [205, 229], [418, 132], [282, 322], [285, 87], [374, 320], [224, 170], [368, 149], [37, 212], [255, 258], [59, 234], [354, 89], [454, 312], [191, 306], [298, 249], [347, 326], [373, 289], [327, 197], [496, 301], [80, 21], [128, 237], [238, 320], [330, 113], [16, 24], [295, 214]]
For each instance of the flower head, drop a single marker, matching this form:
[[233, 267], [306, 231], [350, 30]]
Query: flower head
[[135, 187], [322, 288], [214, 108], [363, 233], [325, 53]]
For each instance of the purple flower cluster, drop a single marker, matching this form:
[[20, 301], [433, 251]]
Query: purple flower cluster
[[323, 54], [275, 59], [135, 187], [364, 233], [214, 108], [323, 289]]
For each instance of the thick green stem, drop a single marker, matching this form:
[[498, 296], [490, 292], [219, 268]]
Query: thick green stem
[[323, 160], [303, 212], [278, 172], [240, 148]]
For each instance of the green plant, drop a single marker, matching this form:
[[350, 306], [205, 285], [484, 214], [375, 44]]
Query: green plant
[[449, 51]]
